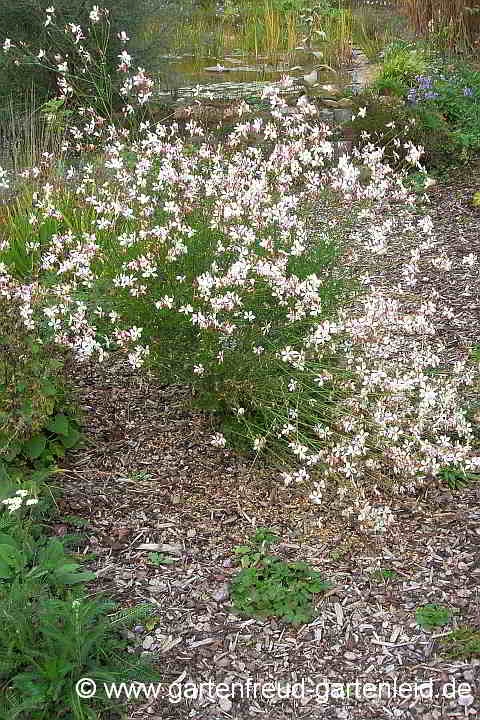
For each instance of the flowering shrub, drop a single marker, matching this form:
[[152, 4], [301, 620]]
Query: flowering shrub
[[79, 60], [233, 264]]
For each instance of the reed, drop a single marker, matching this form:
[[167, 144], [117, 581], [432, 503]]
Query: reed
[[335, 26], [30, 132], [452, 23], [259, 29]]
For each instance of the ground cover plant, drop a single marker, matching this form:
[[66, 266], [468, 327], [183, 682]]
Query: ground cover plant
[[269, 586], [433, 616], [464, 642]]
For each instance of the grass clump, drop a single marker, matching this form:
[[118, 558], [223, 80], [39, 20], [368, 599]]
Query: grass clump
[[267, 586], [462, 643], [402, 63], [456, 477]]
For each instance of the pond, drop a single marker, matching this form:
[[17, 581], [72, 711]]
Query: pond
[[233, 49]]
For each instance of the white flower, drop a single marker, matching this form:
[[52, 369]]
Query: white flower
[[7, 44], [94, 14], [259, 443], [218, 440]]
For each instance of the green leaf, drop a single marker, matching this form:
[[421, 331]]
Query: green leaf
[[59, 425], [71, 439], [48, 388], [34, 447], [11, 561]]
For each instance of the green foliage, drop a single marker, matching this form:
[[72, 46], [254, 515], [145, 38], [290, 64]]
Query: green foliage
[[433, 615], [457, 477], [402, 63], [53, 635], [384, 575], [37, 425], [463, 643], [267, 586], [157, 559]]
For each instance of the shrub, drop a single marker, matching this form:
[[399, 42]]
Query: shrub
[[229, 263], [392, 123], [454, 93], [33, 400]]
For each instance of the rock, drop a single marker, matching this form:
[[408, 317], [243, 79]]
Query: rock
[[217, 69], [342, 115], [148, 642], [330, 103], [311, 78], [327, 116]]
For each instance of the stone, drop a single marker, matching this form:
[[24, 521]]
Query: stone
[[148, 642], [326, 116], [221, 593], [345, 103], [342, 115]]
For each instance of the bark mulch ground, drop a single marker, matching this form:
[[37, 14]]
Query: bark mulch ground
[[147, 480]]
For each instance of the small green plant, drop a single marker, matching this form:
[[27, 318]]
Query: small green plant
[[267, 586], [338, 554], [457, 478], [462, 643], [384, 575], [54, 635], [157, 559], [433, 615]]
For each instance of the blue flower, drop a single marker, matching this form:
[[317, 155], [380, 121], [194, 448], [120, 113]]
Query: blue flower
[[468, 92]]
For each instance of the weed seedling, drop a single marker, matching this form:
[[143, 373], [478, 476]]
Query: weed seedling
[[157, 559], [267, 586], [384, 575], [432, 616]]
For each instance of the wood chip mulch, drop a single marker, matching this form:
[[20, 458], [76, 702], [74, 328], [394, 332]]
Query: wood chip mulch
[[147, 479]]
